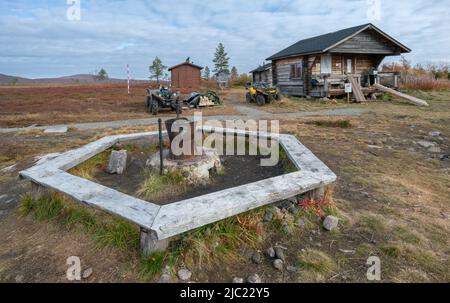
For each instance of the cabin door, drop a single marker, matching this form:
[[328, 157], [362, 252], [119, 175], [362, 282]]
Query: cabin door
[[348, 65]]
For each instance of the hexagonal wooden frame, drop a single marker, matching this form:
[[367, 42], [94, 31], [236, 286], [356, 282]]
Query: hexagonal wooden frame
[[162, 222]]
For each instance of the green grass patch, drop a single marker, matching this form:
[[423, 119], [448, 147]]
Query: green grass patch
[[392, 251], [88, 168], [156, 186], [289, 167], [107, 230]]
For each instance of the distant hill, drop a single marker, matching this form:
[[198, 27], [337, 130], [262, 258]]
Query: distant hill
[[80, 78]]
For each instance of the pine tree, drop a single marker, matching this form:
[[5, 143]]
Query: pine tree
[[221, 60], [234, 73], [157, 69], [102, 75], [206, 73]]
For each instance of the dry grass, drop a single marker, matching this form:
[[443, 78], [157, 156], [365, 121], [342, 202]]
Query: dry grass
[[156, 186], [425, 84]]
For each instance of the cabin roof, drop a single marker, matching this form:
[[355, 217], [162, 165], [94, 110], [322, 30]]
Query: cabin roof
[[185, 63], [262, 68], [323, 43]]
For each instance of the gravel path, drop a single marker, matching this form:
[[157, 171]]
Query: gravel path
[[247, 113]]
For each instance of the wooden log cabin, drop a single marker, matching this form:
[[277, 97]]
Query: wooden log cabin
[[319, 66], [263, 74]]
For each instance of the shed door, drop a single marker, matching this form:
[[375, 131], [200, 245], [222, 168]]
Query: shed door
[[325, 64]]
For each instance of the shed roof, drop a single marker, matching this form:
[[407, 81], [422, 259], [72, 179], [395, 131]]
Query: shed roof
[[323, 43], [262, 68], [185, 63]]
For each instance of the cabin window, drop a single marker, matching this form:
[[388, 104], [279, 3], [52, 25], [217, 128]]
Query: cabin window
[[296, 71]]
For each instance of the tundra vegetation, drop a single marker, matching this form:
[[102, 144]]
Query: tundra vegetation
[[391, 198]]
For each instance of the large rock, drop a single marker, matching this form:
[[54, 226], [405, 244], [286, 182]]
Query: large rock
[[270, 252], [330, 223], [254, 279], [426, 144], [279, 253], [117, 162], [184, 274], [257, 258], [278, 264]]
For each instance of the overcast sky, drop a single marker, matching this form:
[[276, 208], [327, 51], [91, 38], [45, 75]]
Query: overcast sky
[[37, 39]]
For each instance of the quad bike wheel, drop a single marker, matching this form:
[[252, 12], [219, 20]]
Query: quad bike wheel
[[260, 100], [248, 97], [154, 107]]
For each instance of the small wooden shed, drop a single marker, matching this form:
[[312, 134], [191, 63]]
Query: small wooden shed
[[186, 77], [320, 66], [263, 74]]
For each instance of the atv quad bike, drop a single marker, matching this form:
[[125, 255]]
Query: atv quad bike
[[162, 98], [261, 94]]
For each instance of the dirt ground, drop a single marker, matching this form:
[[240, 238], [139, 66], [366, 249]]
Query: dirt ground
[[392, 195], [22, 106], [237, 170]]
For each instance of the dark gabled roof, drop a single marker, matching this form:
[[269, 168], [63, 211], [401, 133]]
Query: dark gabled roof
[[185, 63], [323, 43], [262, 68]]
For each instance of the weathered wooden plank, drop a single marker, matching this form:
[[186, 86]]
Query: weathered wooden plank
[[135, 210], [410, 99], [176, 218], [356, 88], [303, 158]]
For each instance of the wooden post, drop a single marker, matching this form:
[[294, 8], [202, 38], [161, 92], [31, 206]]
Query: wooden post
[[317, 194], [348, 98], [149, 243]]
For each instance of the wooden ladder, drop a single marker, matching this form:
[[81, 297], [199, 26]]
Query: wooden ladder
[[356, 88]]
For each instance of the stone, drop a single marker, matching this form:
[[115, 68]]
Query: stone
[[291, 269], [117, 162], [435, 149], [19, 278], [278, 264], [426, 144], [365, 194], [286, 204], [56, 130], [184, 274], [167, 270], [257, 258], [237, 280], [435, 134], [165, 278], [293, 200], [293, 210], [254, 279], [268, 216], [279, 253], [270, 252], [196, 170], [248, 253], [87, 273], [330, 223]]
